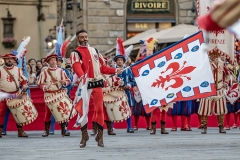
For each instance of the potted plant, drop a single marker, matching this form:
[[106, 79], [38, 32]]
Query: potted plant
[[8, 42]]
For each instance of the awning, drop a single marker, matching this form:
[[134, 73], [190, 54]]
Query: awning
[[173, 34]]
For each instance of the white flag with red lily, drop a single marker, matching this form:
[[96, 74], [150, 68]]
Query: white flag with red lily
[[81, 101], [178, 73]]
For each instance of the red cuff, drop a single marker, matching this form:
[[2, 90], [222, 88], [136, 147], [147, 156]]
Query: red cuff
[[205, 22], [23, 83]]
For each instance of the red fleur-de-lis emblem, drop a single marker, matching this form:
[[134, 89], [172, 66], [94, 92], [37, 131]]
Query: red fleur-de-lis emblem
[[123, 108], [63, 108], [27, 112], [177, 74], [9, 79], [233, 91]]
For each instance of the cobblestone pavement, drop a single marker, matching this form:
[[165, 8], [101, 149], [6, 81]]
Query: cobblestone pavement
[[139, 145]]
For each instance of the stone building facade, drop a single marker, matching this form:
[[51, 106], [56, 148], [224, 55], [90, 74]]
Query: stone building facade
[[107, 19], [23, 18]]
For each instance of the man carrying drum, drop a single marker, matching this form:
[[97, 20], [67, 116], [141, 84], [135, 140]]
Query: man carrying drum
[[11, 79], [52, 80]]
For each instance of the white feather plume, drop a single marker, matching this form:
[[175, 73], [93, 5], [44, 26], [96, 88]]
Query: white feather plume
[[128, 51], [22, 47]]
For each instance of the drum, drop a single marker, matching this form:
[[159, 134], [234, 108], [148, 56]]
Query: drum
[[23, 110], [116, 104], [60, 106]]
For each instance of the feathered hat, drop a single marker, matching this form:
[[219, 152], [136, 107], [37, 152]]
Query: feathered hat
[[121, 52]]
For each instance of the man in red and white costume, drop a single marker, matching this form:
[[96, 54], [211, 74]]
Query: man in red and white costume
[[11, 78], [87, 59], [215, 104], [46, 82]]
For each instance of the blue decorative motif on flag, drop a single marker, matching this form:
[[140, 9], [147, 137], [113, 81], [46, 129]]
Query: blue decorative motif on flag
[[195, 48], [154, 102], [170, 95], [178, 56], [79, 92], [204, 84], [187, 89], [161, 64], [145, 73]]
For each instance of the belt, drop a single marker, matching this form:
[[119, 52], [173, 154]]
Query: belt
[[94, 79], [60, 90]]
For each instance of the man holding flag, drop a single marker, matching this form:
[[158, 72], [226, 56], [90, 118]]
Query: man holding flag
[[86, 59]]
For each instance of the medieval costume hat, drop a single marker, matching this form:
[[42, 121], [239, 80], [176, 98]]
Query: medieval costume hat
[[9, 55], [51, 56]]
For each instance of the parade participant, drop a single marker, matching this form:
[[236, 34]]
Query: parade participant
[[11, 79], [110, 83], [4, 132], [129, 82], [68, 89], [52, 80], [88, 59], [233, 108], [215, 104]]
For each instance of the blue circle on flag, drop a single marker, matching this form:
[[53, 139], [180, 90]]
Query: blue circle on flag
[[154, 102], [187, 89], [170, 95], [195, 48], [161, 64], [204, 84], [145, 73], [178, 56]]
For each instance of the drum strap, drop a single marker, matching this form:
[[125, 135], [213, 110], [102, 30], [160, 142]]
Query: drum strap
[[11, 76], [53, 79]]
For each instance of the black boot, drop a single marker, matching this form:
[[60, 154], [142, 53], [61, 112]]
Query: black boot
[[63, 126], [163, 131], [94, 129], [99, 137], [47, 127], [153, 131], [21, 133], [85, 136], [1, 129], [109, 128]]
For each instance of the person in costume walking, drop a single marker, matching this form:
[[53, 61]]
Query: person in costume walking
[[11, 79], [215, 104], [51, 81], [68, 89], [127, 77], [88, 60]]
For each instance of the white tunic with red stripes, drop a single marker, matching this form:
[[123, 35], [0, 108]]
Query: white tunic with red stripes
[[215, 104], [6, 82], [45, 81]]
